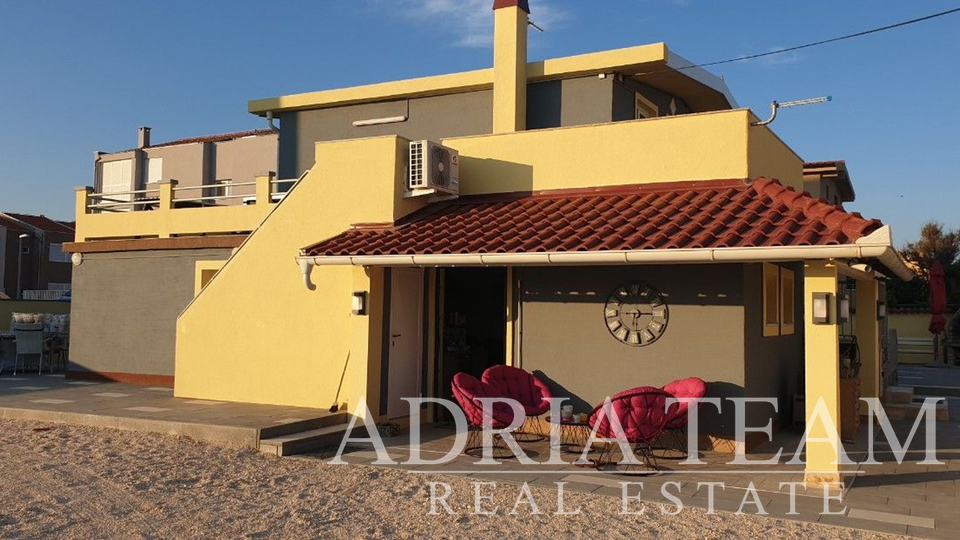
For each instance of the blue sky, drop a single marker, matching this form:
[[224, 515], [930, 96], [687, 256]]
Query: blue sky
[[76, 77]]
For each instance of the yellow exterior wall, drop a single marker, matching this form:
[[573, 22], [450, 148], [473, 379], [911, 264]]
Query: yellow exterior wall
[[509, 70], [704, 146], [626, 60], [166, 221], [281, 343], [203, 273], [822, 373], [770, 157]]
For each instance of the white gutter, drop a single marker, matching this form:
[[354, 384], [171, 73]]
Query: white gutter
[[877, 245]]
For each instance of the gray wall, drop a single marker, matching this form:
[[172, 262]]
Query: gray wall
[[569, 102], [125, 308], [565, 338], [184, 163], [624, 100], [774, 364], [241, 160], [469, 113]]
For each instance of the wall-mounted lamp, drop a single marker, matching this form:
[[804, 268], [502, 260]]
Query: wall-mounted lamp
[[844, 314], [881, 310], [821, 307], [358, 304]]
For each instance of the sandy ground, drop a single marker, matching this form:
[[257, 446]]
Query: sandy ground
[[75, 482]]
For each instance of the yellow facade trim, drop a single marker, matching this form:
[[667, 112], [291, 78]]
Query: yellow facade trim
[[628, 60]]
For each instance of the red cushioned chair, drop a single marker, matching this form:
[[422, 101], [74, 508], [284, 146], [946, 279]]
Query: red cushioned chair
[[527, 390], [642, 414], [691, 387], [466, 390]]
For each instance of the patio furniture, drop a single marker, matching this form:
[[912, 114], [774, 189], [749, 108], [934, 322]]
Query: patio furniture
[[29, 341], [642, 414], [526, 389], [675, 428], [466, 390], [573, 434]]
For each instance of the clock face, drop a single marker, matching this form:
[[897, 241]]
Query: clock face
[[636, 314]]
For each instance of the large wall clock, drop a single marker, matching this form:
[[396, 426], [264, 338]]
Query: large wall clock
[[636, 314]]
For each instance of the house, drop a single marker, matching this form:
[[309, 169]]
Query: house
[[152, 214], [829, 180], [31, 254], [619, 223], [220, 165]]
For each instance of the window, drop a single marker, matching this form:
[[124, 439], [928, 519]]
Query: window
[[771, 299], [57, 254], [645, 108], [115, 176], [779, 301], [787, 302], [154, 173]]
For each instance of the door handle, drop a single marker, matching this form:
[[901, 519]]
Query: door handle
[[396, 335]]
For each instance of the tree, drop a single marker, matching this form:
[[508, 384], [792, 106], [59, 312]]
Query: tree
[[935, 244]]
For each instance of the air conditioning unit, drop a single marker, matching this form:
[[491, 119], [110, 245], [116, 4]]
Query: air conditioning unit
[[434, 169]]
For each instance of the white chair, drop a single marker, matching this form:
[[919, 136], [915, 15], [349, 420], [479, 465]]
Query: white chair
[[29, 340]]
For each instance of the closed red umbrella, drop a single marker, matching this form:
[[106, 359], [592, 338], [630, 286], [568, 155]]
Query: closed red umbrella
[[938, 299]]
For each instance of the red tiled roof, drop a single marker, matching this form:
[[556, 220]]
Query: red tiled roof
[[217, 138], [42, 222], [11, 224], [713, 214]]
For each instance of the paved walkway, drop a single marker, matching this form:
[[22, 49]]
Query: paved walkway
[[52, 398], [918, 500]]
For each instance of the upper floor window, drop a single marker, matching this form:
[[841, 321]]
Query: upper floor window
[[115, 176], [645, 108], [57, 254], [154, 173]]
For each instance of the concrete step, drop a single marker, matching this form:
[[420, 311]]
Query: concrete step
[[898, 394], [307, 441], [909, 411], [325, 420]]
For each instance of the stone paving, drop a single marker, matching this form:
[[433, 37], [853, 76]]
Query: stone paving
[[53, 398]]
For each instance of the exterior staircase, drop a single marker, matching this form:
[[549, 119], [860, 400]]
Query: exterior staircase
[[900, 403], [306, 435]]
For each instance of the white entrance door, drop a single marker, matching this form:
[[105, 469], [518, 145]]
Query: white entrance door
[[406, 330]]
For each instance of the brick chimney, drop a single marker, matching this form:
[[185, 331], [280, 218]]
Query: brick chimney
[[510, 65], [143, 137]]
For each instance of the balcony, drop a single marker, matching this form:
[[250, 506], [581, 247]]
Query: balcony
[[170, 211]]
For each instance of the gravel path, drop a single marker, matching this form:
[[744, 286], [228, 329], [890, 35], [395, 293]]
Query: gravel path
[[59, 481]]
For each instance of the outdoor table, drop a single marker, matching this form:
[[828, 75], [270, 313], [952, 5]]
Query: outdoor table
[[574, 434]]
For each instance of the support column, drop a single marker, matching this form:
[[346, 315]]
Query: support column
[[822, 374], [867, 328]]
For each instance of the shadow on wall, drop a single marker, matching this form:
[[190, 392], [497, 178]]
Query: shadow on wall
[[485, 175]]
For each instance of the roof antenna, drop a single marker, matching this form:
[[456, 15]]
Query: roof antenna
[[775, 105], [533, 24]]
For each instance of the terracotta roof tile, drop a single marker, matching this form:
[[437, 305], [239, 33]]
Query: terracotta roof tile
[[217, 138], [714, 214]]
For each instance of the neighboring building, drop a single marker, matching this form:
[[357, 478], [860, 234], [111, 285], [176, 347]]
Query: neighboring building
[[829, 180], [37, 261], [153, 213], [202, 166], [591, 188]]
